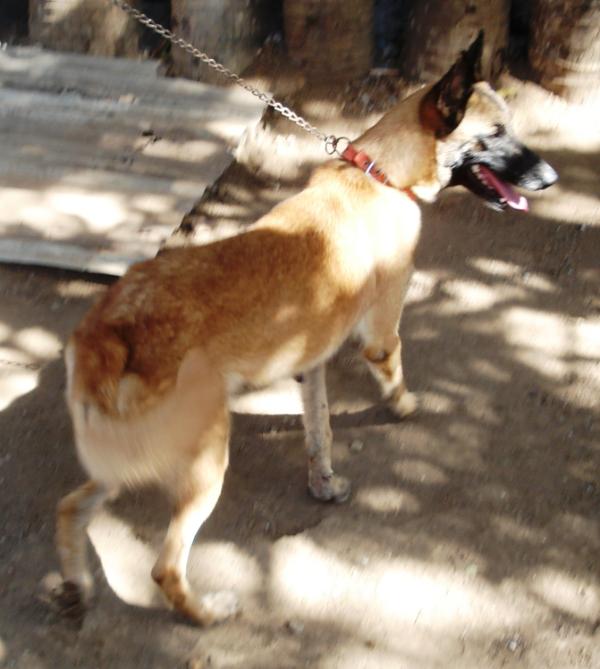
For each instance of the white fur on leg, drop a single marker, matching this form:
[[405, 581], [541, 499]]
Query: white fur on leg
[[323, 484], [404, 404], [170, 568]]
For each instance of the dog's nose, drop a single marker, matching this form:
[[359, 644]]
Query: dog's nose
[[547, 175]]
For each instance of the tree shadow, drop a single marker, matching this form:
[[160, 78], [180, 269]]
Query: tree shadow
[[501, 467]]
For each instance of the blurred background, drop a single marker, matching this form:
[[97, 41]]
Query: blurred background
[[555, 41]]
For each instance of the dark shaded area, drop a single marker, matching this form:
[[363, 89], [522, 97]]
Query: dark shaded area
[[13, 24], [159, 11], [520, 19], [389, 19]]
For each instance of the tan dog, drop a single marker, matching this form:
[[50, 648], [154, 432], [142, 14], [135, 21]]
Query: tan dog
[[150, 367]]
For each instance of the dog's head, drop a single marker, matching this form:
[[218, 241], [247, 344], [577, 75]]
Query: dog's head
[[474, 144]]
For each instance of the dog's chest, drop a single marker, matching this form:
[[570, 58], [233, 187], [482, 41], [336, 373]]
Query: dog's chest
[[395, 227]]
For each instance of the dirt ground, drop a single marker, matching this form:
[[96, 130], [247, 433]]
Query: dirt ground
[[472, 536]]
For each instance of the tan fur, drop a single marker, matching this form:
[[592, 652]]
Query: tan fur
[[150, 364]]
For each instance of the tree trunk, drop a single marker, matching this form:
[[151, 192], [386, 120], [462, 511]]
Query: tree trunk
[[565, 47], [438, 30], [83, 26], [231, 31], [330, 39]]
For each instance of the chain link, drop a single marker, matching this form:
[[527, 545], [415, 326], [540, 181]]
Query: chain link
[[329, 140]]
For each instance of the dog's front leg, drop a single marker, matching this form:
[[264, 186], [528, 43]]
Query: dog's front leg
[[322, 482], [382, 346]]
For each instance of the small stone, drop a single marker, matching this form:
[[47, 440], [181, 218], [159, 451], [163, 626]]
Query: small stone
[[472, 569], [515, 644], [295, 627], [51, 582], [356, 446], [198, 663]]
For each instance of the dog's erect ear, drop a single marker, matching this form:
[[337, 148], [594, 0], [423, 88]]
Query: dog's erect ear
[[443, 108]]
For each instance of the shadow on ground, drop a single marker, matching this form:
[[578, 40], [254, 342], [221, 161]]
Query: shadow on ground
[[496, 481], [472, 536]]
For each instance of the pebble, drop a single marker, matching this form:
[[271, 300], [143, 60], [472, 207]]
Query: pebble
[[472, 570], [197, 663], [51, 582], [295, 627], [515, 644], [356, 446]]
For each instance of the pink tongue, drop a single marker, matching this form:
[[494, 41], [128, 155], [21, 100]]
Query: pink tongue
[[506, 191]]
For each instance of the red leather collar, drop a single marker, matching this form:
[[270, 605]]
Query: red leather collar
[[363, 161]]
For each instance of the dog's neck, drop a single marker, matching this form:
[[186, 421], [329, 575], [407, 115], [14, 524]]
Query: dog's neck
[[367, 165], [402, 149]]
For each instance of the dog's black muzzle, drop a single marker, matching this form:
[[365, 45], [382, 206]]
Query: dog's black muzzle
[[496, 163], [513, 162], [529, 171]]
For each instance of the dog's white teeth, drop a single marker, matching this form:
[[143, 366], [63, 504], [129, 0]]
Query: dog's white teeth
[[481, 177], [476, 170]]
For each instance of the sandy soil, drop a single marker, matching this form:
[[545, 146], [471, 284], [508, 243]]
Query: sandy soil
[[471, 540]]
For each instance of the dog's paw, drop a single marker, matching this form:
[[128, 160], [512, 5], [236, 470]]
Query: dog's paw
[[72, 598], [405, 405], [330, 488], [219, 606]]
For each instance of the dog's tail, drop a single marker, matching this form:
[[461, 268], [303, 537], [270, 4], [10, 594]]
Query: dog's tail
[[95, 361]]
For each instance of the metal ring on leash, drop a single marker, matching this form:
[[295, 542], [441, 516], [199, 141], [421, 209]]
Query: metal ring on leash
[[332, 145]]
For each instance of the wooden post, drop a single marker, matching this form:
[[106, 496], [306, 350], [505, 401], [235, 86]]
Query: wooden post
[[438, 30], [83, 26], [231, 31], [330, 39]]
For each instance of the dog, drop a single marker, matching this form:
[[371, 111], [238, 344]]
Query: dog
[[150, 367]]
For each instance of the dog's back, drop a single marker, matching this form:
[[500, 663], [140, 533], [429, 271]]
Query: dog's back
[[268, 303]]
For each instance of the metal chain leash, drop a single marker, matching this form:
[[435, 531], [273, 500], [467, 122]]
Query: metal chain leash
[[329, 140]]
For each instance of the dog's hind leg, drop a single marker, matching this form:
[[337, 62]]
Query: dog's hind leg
[[322, 482], [382, 346], [198, 488], [74, 514]]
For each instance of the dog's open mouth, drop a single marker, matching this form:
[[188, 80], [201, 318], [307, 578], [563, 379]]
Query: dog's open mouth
[[497, 193]]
